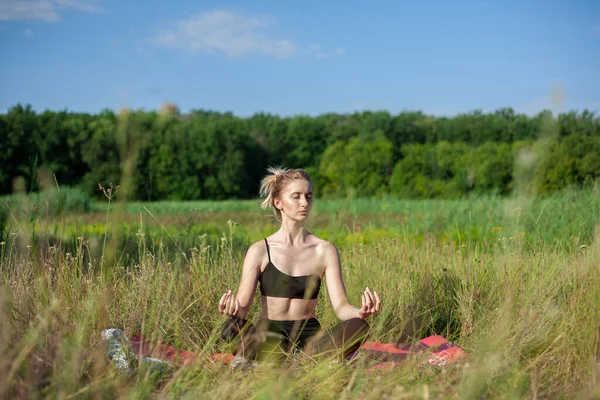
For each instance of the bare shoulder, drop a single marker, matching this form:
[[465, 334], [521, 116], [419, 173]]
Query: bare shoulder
[[257, 250], [325, 249]]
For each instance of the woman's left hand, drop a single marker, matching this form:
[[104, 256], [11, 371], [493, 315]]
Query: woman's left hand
[[371, 303]]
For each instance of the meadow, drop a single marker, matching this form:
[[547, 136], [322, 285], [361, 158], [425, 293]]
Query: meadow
[[514, 281]]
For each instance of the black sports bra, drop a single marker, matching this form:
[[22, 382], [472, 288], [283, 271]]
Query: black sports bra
[[274, 283]]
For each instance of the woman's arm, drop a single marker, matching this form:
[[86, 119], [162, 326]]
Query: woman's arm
[[371, 302], [238, 306]]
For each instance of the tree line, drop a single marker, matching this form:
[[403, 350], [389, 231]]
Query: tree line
[[166, 155]]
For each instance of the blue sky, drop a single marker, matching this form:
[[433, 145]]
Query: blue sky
[[308, 57]]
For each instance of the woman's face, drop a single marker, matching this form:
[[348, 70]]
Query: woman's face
[[296, 199]]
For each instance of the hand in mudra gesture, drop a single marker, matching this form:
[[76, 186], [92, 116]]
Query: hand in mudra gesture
[[371, 303], [228, 304]]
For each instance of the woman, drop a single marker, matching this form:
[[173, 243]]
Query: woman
[[289, 266]]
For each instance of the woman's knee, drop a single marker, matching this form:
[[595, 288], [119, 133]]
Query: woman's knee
[[232, 328], [357, 325]]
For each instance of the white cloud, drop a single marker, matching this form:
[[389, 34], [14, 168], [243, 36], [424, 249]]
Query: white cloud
[[317, 51], [234, 34], [28, 32], [45, 10], [81, 5]]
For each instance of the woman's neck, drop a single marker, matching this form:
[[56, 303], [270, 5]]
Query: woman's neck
[[292, 232]]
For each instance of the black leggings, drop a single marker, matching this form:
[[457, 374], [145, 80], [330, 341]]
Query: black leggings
[[267, 339]]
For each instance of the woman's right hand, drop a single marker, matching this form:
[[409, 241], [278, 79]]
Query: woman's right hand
[[228, 304]]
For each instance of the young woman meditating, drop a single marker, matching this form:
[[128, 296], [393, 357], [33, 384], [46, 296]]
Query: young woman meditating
[[289, 266]]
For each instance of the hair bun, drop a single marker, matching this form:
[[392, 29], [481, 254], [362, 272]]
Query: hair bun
[[277, 171]]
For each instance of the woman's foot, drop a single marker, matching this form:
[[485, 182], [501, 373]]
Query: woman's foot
[[240, 363]]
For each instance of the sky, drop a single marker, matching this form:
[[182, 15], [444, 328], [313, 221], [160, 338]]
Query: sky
[[301, 57]]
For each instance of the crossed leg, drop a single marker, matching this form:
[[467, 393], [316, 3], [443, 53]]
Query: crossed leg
[[257, 341]]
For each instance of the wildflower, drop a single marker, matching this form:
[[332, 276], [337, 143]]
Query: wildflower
[[109, 192], [496, 229]]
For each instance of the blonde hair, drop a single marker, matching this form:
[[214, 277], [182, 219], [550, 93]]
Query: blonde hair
[[274, 182]]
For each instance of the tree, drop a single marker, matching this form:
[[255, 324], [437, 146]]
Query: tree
[[359, 167], [17, 159]]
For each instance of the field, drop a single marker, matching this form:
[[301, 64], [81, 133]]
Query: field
[[514, 281]]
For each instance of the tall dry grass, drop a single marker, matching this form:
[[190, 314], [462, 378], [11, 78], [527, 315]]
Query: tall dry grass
[[528, 319]]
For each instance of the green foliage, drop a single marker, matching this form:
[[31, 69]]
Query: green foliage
[[489, 168], [358, 168], [100, 153], [433, 170], [18, 127], [572, 161], [166, 155]]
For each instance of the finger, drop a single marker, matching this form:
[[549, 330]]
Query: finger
[[362, 310], [237, 307], [377, 302], [369, 295], [369, 301], [364, 302], [226, 307], [223, 302], [231, 304], [225, 296]]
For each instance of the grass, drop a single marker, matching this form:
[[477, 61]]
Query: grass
[[565, 221], [525, 307]]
